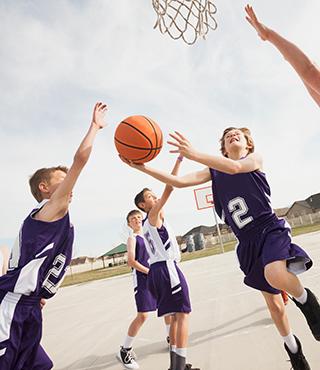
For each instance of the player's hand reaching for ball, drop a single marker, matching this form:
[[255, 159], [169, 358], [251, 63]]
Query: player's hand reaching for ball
[[251, 17], [98, 115], [138, 166], [183, 145]]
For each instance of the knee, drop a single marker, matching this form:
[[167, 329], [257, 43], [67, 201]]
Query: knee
[[142, 317], [275, 274]]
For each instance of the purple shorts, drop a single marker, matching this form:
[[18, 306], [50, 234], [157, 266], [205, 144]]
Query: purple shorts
[[20, 334], [168, 284], [145, 301], [258, 248]]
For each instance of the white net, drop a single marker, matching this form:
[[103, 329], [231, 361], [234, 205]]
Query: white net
[[186, 19]]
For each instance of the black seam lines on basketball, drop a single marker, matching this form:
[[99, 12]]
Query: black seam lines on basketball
[[155, 132], [130, 125], [136, 147]]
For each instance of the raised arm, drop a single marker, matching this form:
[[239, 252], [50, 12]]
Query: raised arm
[[58, 204], [132, 262], [306, 69], [183, 146]]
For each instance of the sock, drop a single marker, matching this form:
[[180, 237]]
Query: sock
[[182, 352], [173, 358], [291, 343], [128, 342], [180, 361], [303, 298], [173, 348], [168, 329]]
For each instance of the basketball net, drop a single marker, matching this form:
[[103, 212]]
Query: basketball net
[[186, 19]]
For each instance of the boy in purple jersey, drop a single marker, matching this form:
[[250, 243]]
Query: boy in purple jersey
[[39, 257], [307, 71], [138, 259], [165, 280], [268, 258], [42, 360]]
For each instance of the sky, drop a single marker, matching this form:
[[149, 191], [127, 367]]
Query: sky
[[58, 57]]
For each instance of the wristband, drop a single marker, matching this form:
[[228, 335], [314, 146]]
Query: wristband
[[180, 158]]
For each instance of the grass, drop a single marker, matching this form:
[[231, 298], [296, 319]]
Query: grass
[[103, 273]]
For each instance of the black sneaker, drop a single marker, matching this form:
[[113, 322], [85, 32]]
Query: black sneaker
[[168, 340], [311, 311], [298, 361], [125, 357], [189, 367]]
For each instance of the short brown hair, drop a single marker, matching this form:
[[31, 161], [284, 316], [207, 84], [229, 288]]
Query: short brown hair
[[43, 174], [133, 213], [247, 135], [139, 198]]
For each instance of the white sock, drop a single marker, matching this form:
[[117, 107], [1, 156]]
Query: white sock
[[182, 352], [168, 329], [291, 343], [173, 348], [128, 341], [303, 298]]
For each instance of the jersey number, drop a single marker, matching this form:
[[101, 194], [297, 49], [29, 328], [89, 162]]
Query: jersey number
[[238, 208], [55, 271]]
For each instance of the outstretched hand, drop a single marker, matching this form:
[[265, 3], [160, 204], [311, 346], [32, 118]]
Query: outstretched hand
[[182, 144], [251, 17], [98, 115]]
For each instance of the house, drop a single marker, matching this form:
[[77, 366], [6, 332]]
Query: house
[[304, 207]]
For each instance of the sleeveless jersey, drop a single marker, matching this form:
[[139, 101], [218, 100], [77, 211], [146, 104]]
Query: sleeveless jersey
[[40, 256], [161, 243], [242, 200]]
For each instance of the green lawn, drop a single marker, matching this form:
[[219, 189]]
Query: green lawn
[[104, 273]]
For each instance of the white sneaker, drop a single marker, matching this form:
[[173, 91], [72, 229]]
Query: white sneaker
[[125, 357]]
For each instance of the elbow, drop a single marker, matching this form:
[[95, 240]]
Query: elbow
[[130, 263], [235, 168]]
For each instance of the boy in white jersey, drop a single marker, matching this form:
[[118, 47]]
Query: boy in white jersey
[[138, 259], [165, 279]]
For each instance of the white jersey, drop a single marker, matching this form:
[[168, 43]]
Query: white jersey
[[158, 248]]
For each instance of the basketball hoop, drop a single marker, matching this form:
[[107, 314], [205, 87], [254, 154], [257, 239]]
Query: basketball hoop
[[204, 199], [186, 19]]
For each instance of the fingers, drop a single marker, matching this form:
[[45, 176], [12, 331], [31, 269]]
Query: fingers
[[173, 143]]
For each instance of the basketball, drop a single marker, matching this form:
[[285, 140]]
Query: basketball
[[138, 138]]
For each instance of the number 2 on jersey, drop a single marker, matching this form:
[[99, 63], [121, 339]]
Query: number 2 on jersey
[[238, 208]]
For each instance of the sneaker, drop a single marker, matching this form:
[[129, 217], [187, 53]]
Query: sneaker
[[285, 297], [189, 367], [311, 311], [125, 357], [298, 361], [168, 340]]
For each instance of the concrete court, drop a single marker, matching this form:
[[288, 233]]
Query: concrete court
[[230, 327]]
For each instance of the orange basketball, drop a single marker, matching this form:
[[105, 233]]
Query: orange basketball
[[138, 138]]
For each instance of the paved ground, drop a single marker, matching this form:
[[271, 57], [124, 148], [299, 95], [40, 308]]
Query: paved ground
[[229, 328]]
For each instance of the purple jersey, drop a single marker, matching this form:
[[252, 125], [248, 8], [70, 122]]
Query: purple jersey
[[242, 200], [141, 256], [39, 257]]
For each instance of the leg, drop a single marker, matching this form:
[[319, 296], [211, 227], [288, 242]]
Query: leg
[[279, 277], [167, 322], [126, 356], [182, 339], [277, 311], [291, 343], [137, 323]]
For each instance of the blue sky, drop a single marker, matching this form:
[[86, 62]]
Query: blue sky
[[57, 58]]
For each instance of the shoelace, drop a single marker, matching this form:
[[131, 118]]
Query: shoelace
[[128, 359]]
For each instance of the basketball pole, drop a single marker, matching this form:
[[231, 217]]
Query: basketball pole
[[218, 228]]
